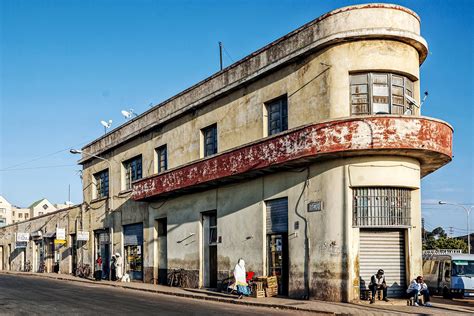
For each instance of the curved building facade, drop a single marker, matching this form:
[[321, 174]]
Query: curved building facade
[[304, 158]]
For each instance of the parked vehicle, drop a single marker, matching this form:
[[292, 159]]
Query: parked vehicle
[[449, 274]]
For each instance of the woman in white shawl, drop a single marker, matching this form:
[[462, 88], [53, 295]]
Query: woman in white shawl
[[118, 266], [241, 278]]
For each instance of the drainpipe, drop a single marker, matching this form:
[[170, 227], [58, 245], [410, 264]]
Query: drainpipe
[[306, 239]]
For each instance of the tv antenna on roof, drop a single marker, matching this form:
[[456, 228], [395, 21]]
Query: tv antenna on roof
[[128, 114], [106, 125]]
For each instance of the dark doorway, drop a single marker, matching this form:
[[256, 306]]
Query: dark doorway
[[277, 242], [162, 251], [210, 248]]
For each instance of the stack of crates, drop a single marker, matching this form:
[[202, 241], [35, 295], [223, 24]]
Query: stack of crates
[[270, 285]]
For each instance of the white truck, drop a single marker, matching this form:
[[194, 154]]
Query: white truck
[[449, 274]]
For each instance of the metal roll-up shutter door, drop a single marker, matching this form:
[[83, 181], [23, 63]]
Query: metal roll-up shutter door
[[133, 234], [277, 216], [383, 250]]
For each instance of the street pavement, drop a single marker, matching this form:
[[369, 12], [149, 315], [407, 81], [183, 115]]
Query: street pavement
[[27, 295], [24, 293]]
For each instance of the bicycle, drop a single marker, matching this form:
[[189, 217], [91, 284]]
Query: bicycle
[[27, 267], [83, 271], [42, 267], [179, 278]]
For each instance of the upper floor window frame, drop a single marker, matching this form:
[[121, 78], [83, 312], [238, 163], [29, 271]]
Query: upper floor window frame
[[381, 93], [132, 171], [277, 115], [101, 184], [161, 153], [209, 140]]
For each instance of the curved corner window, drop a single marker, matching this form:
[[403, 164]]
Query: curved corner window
[[381, 93]]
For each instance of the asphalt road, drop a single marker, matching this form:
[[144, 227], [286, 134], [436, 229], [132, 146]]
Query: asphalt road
[[27, 295]]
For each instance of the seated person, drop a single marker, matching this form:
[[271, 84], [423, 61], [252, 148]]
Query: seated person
[[377, 282], [418, 287]]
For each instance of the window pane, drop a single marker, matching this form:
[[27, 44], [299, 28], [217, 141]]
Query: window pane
[[277, 116]]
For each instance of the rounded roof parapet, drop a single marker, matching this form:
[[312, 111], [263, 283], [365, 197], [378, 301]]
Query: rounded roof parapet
[[371, 21]]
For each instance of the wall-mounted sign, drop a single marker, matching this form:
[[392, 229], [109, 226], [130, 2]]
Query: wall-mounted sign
[[20, 244], [22, 237], [82, 236], [315, 206], [61, 233], [60, 241]]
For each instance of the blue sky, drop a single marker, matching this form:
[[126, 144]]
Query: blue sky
[[66, 65]]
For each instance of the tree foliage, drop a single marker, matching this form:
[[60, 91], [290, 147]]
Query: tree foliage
[[437, 239]]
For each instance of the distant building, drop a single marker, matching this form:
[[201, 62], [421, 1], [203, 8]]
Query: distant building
[[41, 207], [5, 212]]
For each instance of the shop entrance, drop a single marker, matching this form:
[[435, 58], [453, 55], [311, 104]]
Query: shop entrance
[[277, 242], [209, 225], [73, 253], [162, 229], [102, 248], [133, 244]]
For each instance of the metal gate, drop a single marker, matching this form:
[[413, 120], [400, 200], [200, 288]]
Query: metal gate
[[277, 216], [383, 250]]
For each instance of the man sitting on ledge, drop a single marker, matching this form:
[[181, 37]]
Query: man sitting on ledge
[[377, 282], [416, 288]]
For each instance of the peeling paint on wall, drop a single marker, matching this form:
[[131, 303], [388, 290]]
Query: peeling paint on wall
[[428, 140]]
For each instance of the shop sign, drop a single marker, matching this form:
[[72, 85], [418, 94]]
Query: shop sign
[[61, 233], [60, 241], [82, 236], [22, 237], [20, 244]]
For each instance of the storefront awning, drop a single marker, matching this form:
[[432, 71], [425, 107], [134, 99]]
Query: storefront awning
[[49, 235]]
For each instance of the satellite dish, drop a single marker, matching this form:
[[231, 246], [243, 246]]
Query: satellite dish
[[106, 124], [407, 112], [411, 100], [128, 114]]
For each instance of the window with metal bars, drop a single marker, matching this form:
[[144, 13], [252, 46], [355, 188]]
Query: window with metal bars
[[209, 140], [161, 158], [101, 180], [133, 171], [381, 93], [277, 115], [381, 207]]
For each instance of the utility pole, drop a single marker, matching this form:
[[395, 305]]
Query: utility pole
[[468, 212]]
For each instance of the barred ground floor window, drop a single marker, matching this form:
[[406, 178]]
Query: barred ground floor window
[[381, 207]]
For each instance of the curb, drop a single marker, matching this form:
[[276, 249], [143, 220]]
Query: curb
[[177, 294]]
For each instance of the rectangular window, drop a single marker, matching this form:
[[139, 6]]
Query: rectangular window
[[162, 159], [3, 210], [27, 215], [381, 207], [381, 93], [20, 215], [133, 171], [209, 135], [101, 180], [213, 229], [277, 111]]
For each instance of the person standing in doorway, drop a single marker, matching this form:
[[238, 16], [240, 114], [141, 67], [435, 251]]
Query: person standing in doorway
[[98, 268], [113, 271]]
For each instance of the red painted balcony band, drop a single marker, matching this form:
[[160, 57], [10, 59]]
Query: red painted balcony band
[[428, 140]]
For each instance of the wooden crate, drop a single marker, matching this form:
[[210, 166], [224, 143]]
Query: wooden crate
[[271, 291], [258, 289]]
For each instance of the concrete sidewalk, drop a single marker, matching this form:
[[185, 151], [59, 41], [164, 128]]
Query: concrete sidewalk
[[394, 307]]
